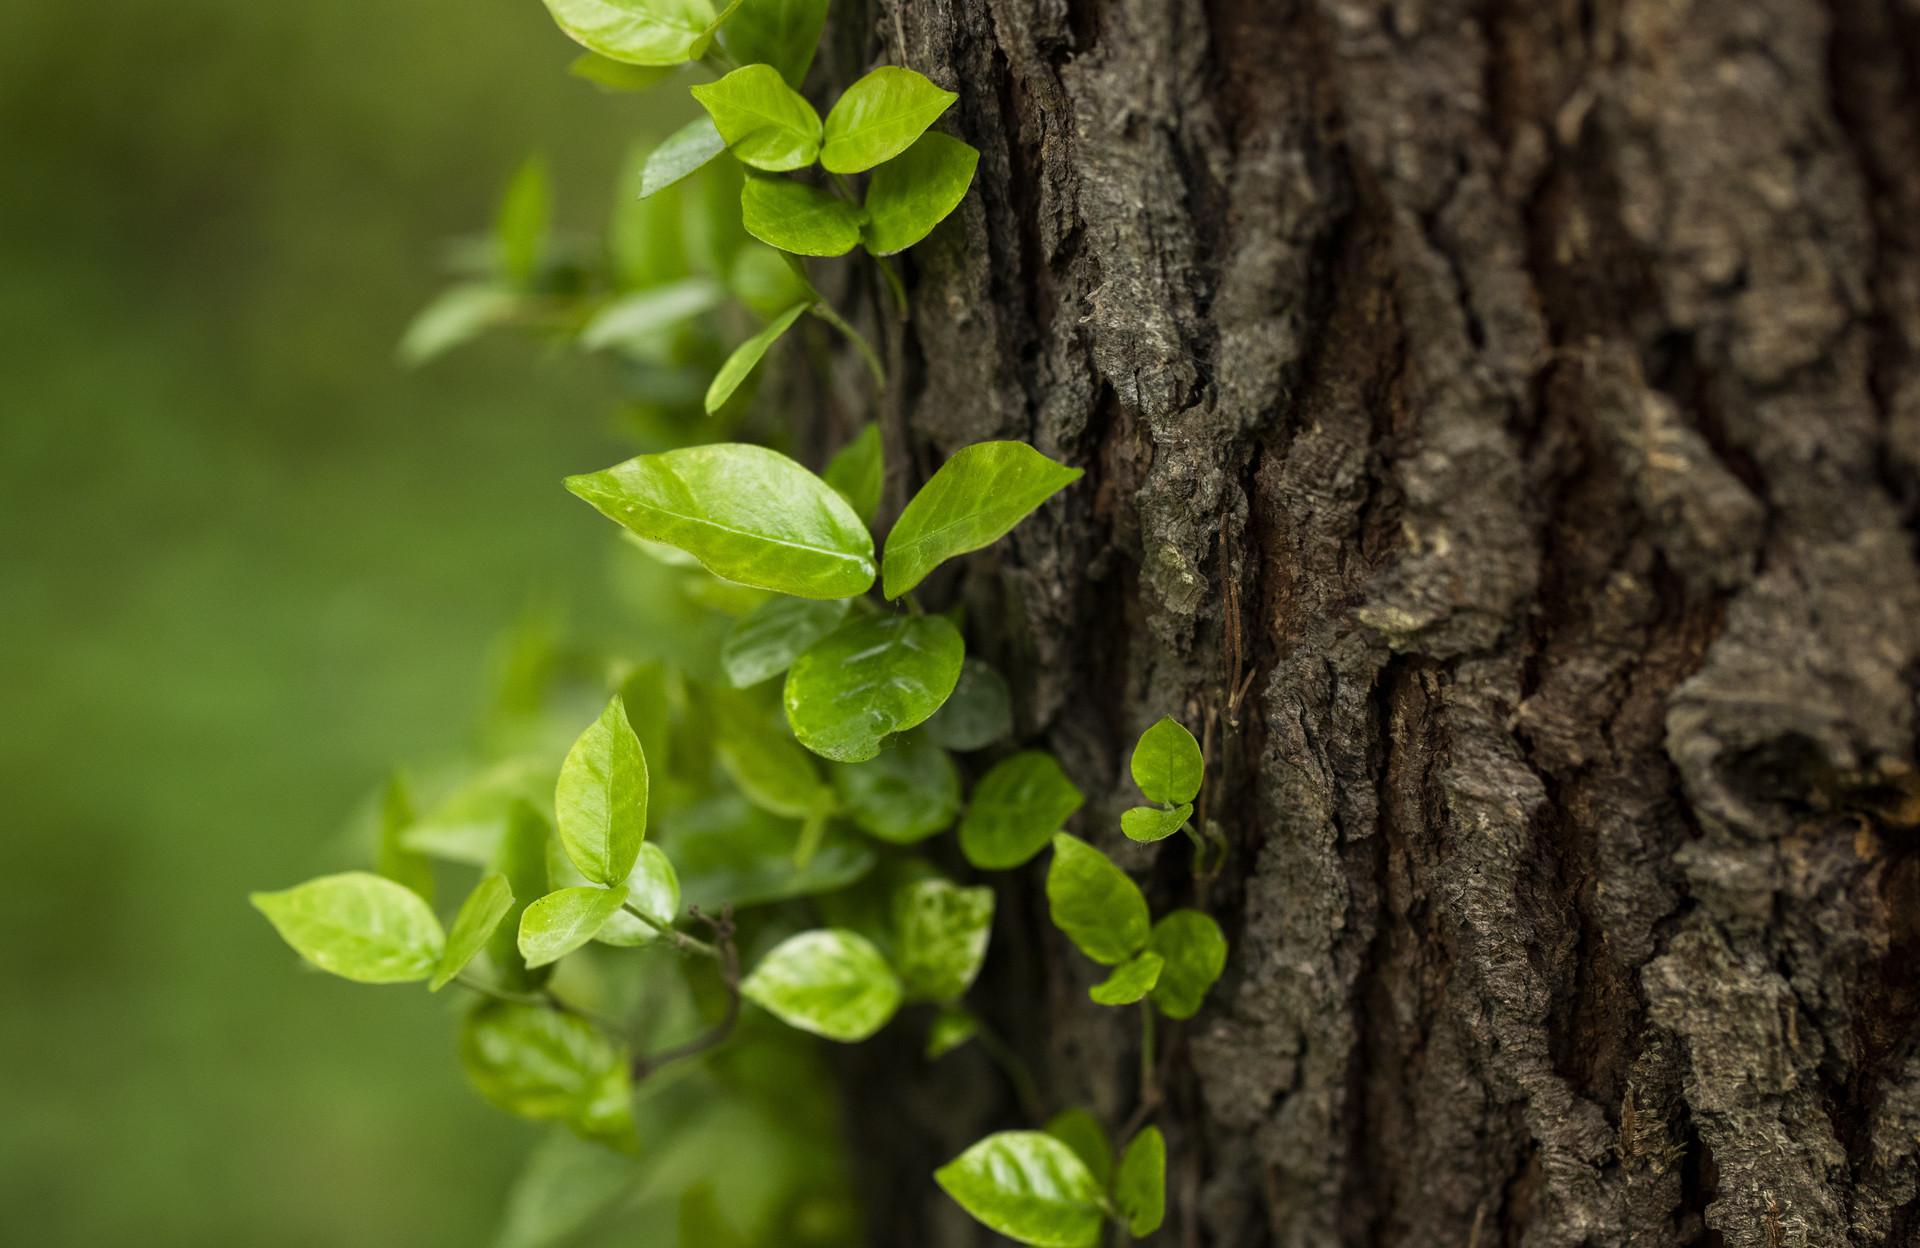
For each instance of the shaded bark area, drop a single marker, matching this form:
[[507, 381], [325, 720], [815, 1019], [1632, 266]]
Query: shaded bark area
[[1502, 432]]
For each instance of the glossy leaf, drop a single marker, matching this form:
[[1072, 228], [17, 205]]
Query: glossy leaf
[[830, 982], [1195, 951], [1080, 1131], [765, 122], [359, 926], [747, 356], [1130, 981], [973, 500], [520, 227], [639, 32], [979, 713], [941, 930], [780, 33], [916, 191], [1028, 1186], [548, 1066], [522, 858], [616, 76], [653, 888], [798, 218], [1015, 810], [641, 320], [1148, 824], [680, 154], [479, 915], [601, 799], [906, 793], [1140, 1186], [392, 856], [879, 117], [871, 677], [557, 924], [1094, 902], [748, 514], [858, 470], [951, 1028], [1167, 764], [764, 642]]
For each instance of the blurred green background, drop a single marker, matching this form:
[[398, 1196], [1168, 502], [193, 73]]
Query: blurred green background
[[249, 563]]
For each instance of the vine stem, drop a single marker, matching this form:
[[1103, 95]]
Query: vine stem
[[824, 310], [545, 999], [728, 955], [677, 938], [1149, 1076]]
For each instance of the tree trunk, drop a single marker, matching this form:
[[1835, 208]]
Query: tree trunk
[[1502, 434]]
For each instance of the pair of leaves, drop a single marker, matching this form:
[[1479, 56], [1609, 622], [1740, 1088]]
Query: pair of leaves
[[1138, 1188], [1102, 911], [905, 199], [1168, 767], [770, 126]]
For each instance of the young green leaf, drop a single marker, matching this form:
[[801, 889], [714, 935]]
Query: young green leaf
[[479, 914], [916, 191], [942, 932], [780, 33], [1080, 1131], [1095, 903], [548, 1066], [561, 922], [798, 218], [972, 501], [1140, 1188], [1195, 951], [858, 470], [639, 321], [456, 315], [653, 888], [879, 117], [616, 76], [747, 356], [830, 982], [775, 774], [357, 925], [520, 228], [1130, 981], [522, 859], [680, 154], [601, 799], [1028, 1186], [1015, 810], [952, 1027], [639, 32], [766, 123], [979, 713], [869, 678], [1148, 824], [908, 792], [764, 642], [1167, 764], [748, 514], [392, 856]]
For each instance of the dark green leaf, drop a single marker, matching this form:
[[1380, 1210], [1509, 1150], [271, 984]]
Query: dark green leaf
[[639, 322], [915, 191], [1140, 1188], [979, 713], [1015, 810], [764, 643], [617, 76], [522, 858], [859, 470], [545, 1065], [908, 792], [1130, 981], [972, 501], [1167, 764], [780, 33], [639, 32], [766, 123], [942, 933], [561, 922], [1080, 1131], [746, 357], [1094, 902], [951, 1028], [520, 229], [1028, 1186], [601, 799], [879, 117], [726, 850], [702, 1224], [1195, 950], [479, 915], [1148, 824], [869, 678], [798, 218], [830, 982], [359, 926]]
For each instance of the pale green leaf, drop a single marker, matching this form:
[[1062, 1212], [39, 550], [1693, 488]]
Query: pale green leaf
[[858, 470], [456, 316], [1028, 1186], [639, 32], [1130, 981], [522, 858], [561, 922], [869, 678], [653, 888], [766, 123], [1167, 764], [798, 218], [941, 931], [879, 117], [972, 501], [1080, 1131], [521, 225], [1094, 902], [392, 856], [359, 926], [479, 915], [549, 1066], [780, 33], [915, 191], [639, 321], [746, 357], [761, 757], [908, 792], [830, 982], [601, 798], [1140, 1187], [748, 514], [764, 643], [1195, 951], [1015, 810], [952, 1027], [1148, 824], [466, 824], [979, 713], [616, 76]]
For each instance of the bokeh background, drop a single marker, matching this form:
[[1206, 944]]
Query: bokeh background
[[249, 562]]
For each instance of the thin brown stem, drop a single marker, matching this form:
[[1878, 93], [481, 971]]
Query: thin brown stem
[[728, 955]]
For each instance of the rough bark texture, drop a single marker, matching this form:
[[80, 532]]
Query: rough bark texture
[[1502, 433]]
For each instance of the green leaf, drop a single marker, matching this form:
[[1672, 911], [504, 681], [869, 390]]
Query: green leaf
[[522, 858], [640, 321], [869, 678], [746, 357], [1080, 1131], [764, 280], [906, 793], [639, 32], [566, 1185], [780, 33], [879, 117], [1094, 902], [479, 914], [1015, 810], [979, 713], [548, 1066], [653, 888], [916, 191], [561, 922], [394, 860], [1195, 951], [972, 501], [775, 774], [766, 123], [357, 925], [727, 850], [859, 470], [764, 643], [748, 514], [702, 1224], [616, 76], [1140, 1188], [952, 1027], [520, 227], [601, 799], [1130, 981], [830, 982], [798, 218], [1028, 1186], [456, 316], [942, 932], [1167, 764], [1148, 824]]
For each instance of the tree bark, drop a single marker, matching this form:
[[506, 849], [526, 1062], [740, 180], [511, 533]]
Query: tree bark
[[1502, 434]]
